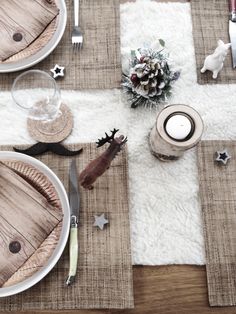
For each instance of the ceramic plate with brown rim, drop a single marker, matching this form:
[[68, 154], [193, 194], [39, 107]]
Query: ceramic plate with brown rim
[[34, 220], [41, 47]]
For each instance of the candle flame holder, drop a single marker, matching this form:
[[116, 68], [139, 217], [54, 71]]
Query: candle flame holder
[[165, 146]]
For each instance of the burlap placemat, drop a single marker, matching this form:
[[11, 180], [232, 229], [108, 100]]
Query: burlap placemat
[[210, 23], [218, 199], [105, 269], [98, 64]]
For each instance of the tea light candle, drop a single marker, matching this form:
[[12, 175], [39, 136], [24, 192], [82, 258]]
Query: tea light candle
[[178, 127]]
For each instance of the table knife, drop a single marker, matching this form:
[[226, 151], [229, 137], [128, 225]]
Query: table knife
[[232, 29], [74, 200]]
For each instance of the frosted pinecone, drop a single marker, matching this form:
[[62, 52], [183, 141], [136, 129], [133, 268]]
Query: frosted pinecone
[[147, 77]]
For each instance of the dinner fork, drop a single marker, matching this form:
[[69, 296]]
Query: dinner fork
[[77, 36]]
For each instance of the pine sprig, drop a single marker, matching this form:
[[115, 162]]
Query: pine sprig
[[150, 80]]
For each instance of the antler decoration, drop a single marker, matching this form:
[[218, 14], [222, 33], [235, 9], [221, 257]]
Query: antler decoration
[[99, 165], [106, 139]]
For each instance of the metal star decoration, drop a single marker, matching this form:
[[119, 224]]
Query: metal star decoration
[[223, 156], [100, 221], [58, 71]]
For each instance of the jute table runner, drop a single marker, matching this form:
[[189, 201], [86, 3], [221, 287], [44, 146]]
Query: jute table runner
[[218, 199], [210, 23], [105, 269], [98, 64]]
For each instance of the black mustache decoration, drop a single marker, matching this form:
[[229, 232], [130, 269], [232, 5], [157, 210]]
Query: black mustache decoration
[[40, 148]]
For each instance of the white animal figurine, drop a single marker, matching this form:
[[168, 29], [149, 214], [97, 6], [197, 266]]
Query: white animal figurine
[[215, 61]]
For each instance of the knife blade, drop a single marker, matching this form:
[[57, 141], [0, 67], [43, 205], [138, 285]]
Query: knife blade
[[74, 200], [232, 29]]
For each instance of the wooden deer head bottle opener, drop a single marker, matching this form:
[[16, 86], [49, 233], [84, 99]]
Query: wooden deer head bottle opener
[[99, 165]]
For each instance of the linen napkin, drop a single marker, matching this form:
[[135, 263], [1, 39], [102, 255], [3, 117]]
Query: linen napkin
[[26, 219], [21, 22]]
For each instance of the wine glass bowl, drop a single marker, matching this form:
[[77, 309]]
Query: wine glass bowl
[[37, 92]]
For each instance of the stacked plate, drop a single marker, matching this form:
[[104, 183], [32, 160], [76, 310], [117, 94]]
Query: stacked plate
[[35, 221], [41, 47], [34, 208]]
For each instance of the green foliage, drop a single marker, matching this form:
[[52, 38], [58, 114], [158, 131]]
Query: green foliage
[[148, 61], [162, 43]]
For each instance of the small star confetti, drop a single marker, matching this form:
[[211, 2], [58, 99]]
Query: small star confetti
[[223, 156], [58, 71], [100, 221]]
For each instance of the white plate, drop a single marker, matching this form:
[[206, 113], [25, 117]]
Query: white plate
[[46, 50], [29, 282]]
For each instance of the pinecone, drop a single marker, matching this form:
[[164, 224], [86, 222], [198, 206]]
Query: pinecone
[[147, 77], [150, 79]]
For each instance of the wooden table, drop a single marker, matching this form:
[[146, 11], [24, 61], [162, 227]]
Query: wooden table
[[166, 289]]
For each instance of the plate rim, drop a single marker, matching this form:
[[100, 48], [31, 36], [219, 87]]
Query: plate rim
[[60, 189], [44, 51]]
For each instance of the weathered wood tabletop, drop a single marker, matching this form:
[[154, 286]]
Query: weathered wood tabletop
[[165, 290], [170, 289]]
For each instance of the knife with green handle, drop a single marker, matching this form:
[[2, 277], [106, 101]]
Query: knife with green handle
[[74, 207]]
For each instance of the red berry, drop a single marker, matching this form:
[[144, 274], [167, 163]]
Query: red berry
[[142, 58]]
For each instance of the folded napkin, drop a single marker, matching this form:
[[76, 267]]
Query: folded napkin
[[21, 22], [26, 220]]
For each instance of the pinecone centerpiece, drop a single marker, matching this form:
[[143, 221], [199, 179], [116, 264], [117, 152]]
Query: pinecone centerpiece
[[150, 79]]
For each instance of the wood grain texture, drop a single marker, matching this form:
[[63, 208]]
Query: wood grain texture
[[9, 263], [38, 259], [104, 277], [163, 289], [173, 289], [25, 216], [98, 65], [36, 45], [29, 19]]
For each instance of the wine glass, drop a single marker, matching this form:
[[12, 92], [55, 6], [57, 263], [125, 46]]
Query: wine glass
[[38, 93]]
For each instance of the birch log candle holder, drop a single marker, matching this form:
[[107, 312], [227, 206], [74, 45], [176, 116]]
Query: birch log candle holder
[[177, 128]]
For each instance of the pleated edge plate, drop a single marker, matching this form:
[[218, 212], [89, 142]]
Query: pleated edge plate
[[46, 50], [59, 187]]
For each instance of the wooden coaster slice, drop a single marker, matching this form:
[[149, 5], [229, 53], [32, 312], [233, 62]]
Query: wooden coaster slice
[[52, 132]]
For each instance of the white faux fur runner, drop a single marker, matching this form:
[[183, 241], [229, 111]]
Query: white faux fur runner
[[165, 211]]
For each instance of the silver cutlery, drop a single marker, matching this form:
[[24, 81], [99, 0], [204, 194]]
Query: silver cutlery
[[74, 199], [232, 29], [77, 36]]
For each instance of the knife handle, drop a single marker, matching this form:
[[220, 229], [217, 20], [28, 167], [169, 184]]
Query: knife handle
[[232, 10], [74, 253]]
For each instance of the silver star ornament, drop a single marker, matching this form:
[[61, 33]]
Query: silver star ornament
[[58, 71], [100, 221], [223, 156]]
